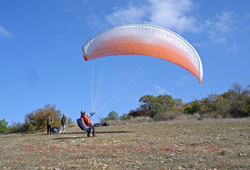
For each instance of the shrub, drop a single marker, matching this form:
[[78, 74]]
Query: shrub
[[37, 120], [142, 111], [3, 126], [70, 122], [193, 108], [113, 115], [167, 115], [125, 117], [16, 127], [188, 110]]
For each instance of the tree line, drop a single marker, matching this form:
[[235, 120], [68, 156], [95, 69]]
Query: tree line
[[234, 103], [35, 121]]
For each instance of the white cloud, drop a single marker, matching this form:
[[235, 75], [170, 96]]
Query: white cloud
[[128, 15], [175, 15], [232, 48], [4, 32], [161, 90], [219, 26], [185, 77], [183, 80], [172, 14]]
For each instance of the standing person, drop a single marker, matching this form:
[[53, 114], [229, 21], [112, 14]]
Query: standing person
[[88, 123], [63, 124], [49, 122]]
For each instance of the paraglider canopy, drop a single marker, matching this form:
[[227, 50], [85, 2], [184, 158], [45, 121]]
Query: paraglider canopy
[[140, 39]]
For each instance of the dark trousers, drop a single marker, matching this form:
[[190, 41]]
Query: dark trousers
[[48, 128], [93, 131]]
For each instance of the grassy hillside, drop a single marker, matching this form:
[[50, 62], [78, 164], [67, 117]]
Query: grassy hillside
[[207, 144]]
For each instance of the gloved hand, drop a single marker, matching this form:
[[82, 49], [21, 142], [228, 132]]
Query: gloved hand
[[91, 114]]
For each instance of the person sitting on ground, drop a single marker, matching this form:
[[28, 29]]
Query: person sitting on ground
[[88, 123], [63, 124]]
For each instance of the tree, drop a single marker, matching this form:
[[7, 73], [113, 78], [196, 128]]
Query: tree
[[113, 115], [196, 106], [124, 117], [3, 126], [209, 104], [70, 121], [188, 110], [223, 107], [166, 101], [16, 127], [143, 110], [239, 100], [161, 103], [178, 103], [148, 101], [193, 107], [237, 91], [37, 120]]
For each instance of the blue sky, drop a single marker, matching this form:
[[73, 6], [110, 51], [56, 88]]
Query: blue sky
[[41, 53]]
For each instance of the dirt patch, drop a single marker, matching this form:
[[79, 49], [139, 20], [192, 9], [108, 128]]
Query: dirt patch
[[191, 144]]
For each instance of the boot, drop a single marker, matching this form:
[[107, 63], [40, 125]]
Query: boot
[[88, 134], [93, 131]]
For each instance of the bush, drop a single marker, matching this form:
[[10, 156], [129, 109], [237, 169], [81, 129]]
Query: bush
[[212, 115], [37, 120], [125, 117], [157, 104], [140, 112], [167, 115], [143, 119], [3, 126], [188, 110], [113, 115], [70, 122], [194, 108], [16, 128]]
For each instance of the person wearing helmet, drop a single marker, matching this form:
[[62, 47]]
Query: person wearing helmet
[[88, 122]]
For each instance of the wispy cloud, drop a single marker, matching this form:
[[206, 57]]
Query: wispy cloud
[[183, 80], [160, 89], [246, 20], [185, 77], [127, 15], [217, 27], [175, 15], [172, 14], [232, 48], [4, 32]]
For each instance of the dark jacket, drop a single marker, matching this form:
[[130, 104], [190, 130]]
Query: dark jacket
[[63, 121], [49, 121]]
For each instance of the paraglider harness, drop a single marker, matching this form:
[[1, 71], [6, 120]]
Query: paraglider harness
[[54, 129], [83, 125]]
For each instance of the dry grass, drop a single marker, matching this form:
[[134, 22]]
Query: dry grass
[[190, 144]]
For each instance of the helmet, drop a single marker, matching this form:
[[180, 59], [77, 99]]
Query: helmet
[[83, 112]]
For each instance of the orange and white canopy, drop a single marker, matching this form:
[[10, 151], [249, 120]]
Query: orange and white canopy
[[145, 40]]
